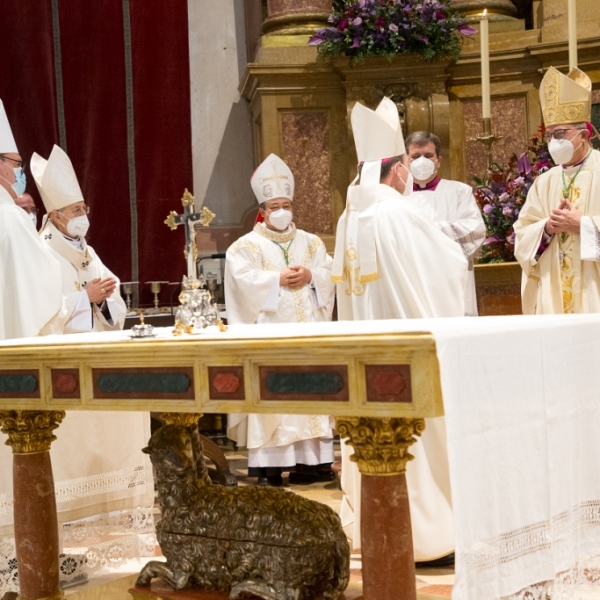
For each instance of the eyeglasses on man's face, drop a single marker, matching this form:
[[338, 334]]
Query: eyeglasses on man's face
[[76, 212], [18, 163], [558, 134]]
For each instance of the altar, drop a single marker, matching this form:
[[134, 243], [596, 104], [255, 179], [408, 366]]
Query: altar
[[519, 395]]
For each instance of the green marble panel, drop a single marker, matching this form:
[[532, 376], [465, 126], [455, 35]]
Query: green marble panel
[[143, 383], [17, 384], [323, 382]]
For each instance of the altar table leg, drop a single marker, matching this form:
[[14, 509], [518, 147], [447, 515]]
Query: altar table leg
[[36, 523], [381, 452]]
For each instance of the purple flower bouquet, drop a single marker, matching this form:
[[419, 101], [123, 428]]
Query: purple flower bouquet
[[502, 192], [361, 28]]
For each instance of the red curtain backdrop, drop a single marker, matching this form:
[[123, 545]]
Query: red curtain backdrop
[[93, 59]]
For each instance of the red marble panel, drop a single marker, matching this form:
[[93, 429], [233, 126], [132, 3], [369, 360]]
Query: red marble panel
[[388, 383], [226, 383], [65, 383], [306, 151], [509, 120]]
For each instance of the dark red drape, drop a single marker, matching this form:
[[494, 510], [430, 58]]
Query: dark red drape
[[27, 86], [93, 62]]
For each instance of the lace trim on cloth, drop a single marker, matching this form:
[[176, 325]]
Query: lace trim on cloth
[[597, 245], [92, 547], [84, 487], [556, 534]]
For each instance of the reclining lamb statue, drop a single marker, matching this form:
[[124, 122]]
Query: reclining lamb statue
[[252, 542]]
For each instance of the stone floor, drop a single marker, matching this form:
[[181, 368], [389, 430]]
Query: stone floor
[[432, 584]]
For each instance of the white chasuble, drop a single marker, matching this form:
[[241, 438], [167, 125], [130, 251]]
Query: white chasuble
[[563, 277], [79, 266], [421, 272], [29, 296], [453, 208], [253, 295]]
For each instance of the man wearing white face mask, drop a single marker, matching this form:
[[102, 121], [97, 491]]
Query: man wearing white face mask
[[451, 205], [558, 230], [280, 274], [391, 262], [25, 201], [90, 289]]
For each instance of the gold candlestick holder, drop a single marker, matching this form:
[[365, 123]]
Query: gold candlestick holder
[[488, 138]]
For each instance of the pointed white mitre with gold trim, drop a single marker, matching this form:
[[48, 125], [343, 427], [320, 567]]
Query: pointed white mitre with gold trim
[[566, 98], [272, 179], [377, 133], [56, 180], [7, 141]]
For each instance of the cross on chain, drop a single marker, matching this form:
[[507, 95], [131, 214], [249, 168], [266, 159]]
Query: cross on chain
[[188, 218], [276, 177]]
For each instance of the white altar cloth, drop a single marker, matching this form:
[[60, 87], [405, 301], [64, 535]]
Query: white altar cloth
[[522, 402]]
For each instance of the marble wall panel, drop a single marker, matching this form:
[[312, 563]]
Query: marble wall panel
[[287, 7], [509, 121], [306, 147]]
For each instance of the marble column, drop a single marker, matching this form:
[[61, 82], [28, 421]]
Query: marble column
[[498, 10], [381, 452], [36, 524], [296, 17]]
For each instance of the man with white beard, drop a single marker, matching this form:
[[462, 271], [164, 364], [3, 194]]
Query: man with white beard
[[280, 274], [391, 262]]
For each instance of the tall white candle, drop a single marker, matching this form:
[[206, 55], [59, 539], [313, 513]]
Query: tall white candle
[[484, 34], [572, 13]]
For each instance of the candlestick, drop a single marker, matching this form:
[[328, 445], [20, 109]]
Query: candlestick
[[484, 33], [572, 15], [487, 138]]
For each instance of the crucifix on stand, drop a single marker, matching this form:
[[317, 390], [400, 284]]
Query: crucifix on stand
[[188, 219], [197, 310]]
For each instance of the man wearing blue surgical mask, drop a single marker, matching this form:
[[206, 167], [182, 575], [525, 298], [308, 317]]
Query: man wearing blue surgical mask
[[280, 274], [449, 204]]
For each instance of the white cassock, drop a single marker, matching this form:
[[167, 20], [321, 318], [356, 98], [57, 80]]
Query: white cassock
[[29, 296], [80, 264], [421, 273], [253, 295], [453, 208]]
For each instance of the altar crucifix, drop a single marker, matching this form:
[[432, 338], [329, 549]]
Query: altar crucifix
[[188, 219]]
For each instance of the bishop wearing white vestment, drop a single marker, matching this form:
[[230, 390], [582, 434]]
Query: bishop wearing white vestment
[[558, 230], [279, 274], [29, 298], [392, 262], [91, 290], [451, 205]]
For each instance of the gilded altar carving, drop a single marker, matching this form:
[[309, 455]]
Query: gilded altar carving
[[30, 431], [380, 445], [179, 418]]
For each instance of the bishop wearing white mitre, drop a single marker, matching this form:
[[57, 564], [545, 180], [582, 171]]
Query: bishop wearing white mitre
[[29, 297], [279, 274], [391, 262], [90, 288], [558, 230]]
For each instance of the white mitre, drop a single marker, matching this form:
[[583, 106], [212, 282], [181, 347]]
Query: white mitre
[[377, 136], [56, 180], [7, 141], [272, 179]]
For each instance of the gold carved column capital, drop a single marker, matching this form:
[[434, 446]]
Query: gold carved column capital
[[497, 10], [380, 445], [30, 431]]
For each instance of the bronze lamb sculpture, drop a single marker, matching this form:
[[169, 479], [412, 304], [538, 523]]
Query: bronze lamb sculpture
[[249, 541]]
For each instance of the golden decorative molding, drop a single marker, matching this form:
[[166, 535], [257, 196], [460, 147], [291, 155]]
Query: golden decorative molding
[[30, 431], [497, 10], [380, 445]]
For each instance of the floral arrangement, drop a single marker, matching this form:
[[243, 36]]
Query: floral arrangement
[[501, 194], [361, 28]]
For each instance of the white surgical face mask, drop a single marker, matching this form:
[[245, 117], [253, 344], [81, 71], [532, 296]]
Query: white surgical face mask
[[280, 219], [78, 226], [408, 182], [33, 218], [422, 168], [562, 151]]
